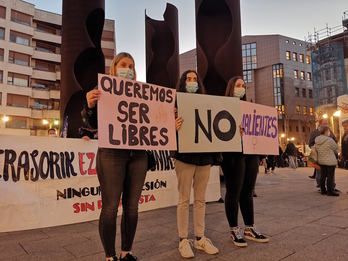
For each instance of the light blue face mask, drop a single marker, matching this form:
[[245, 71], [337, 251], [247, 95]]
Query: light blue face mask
[[191, 87], [125, 73]]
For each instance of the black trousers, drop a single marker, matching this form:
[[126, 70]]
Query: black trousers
[[240, 172]]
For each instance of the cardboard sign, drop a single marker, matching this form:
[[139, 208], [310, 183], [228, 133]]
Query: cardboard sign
[[260, 125], [135, 115], [211, 123]]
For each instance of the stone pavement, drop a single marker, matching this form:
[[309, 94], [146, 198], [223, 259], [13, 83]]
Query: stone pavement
[[301, 225]]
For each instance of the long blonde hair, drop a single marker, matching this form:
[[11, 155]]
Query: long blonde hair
[[117, 59]]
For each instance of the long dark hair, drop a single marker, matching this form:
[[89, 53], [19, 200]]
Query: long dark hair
[[230, 87], [181, 86]]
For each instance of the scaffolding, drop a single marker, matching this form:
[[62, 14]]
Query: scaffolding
[[328, 69]]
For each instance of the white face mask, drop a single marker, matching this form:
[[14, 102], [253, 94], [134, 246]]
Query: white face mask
[[125, 73], [191, 87], [52, 135], [239, 92]]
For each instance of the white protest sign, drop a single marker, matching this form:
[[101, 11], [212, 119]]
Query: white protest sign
[[260, 125], [211, 123], [135, 115]]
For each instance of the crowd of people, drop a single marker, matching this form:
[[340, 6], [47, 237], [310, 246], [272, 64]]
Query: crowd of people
[[121, 174]]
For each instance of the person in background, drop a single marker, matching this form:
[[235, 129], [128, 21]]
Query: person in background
[[120, 172], [240, 172], [52, 133], [192, 169], [327, 150], [312, 136], [291, 150], [344, 143]]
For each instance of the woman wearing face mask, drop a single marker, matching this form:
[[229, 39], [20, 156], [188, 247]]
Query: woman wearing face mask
[[120, 171], [240, 172], [192, 167]]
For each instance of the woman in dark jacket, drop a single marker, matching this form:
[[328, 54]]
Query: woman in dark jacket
[[240, 171], [192, 168], [291, 150]]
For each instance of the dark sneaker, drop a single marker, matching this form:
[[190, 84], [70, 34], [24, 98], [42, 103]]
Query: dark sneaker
[[333, 193], [237, 238], [337, 190], [252, 234], [129, 257]]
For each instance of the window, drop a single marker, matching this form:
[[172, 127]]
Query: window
[[302, 75], [45, 48], [296, 128], [328, 74], [297, 92], [16, 122], [45, 29], [309, 76], [294, 57], [308, 59], [311, 111], [41, 84], [310, 93], [288, 55], [2, 33], [304, 93], [1, 77], [249, 56], [301, 58], [298, 109], [303, 129], [20, 18], [18, 79], [19, 38], [2, 12], [296, 74], [17, 100], [44, 66], [2, 55], [247, 76], [304, 109], [278, 85], [107, 35], [18, 58], [0, 98], [290, 129]]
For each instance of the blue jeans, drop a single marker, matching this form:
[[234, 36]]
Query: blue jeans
[[120, 172]]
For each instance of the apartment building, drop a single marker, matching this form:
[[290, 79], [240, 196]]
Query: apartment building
[[30, 58], [277, 72]]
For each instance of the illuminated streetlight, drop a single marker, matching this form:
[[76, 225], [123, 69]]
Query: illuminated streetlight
[[283, 135], [288, 139], [337, 114], [45, 122], [5, 118], [325, 116], [292, 138], [56, 122]]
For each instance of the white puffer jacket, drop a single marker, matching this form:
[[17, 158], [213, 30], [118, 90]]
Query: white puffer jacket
[[327, 150]]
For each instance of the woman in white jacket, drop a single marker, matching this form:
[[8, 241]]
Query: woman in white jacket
[[327, 151]]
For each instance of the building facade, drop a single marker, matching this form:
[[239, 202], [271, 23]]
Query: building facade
[[277, 72], [30, 58]]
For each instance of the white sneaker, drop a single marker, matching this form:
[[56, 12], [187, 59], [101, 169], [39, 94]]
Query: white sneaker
[[185, 248], [206, 245]]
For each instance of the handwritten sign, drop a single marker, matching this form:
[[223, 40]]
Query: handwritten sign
[[260, 125], [211, 123], [135, 115]]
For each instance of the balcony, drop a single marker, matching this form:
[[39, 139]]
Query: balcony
[[44, 75], [46, 56], [41, 94], [36, 114], [21, 69], [50, 114], [14, 110], [54, 94], [47, 37]]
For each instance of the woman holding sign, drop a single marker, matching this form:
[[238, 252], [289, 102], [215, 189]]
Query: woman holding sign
[[120, 172], [240, 171], [192, 167]]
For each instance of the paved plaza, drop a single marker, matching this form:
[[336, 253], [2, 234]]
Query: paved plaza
[[301, 225]]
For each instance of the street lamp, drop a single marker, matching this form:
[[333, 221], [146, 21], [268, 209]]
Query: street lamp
[[292, 138], [337, 114], [325, 116], [5, 118]]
